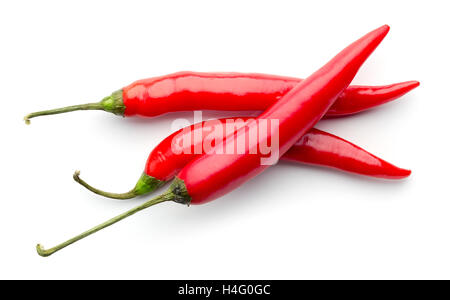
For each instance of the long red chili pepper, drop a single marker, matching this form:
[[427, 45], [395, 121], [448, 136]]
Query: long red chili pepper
[[188, 91], [324, 149], [315, 148], [213, 175]]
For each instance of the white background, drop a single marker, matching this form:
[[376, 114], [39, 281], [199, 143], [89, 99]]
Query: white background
[[292, 222]]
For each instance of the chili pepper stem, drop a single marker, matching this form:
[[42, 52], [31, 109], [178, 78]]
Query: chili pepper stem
[[167, 196], [88, 106], [120, 196], [112, 103], [144, 185]]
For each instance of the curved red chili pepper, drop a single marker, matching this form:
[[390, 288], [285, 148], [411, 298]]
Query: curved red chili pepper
[[188, 91], [321, 148], [357, 98], [315, 148], [213, 175]]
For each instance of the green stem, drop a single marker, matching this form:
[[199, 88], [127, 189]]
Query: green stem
[[167, 196], [88, 106], [113, 104], [121, 196]]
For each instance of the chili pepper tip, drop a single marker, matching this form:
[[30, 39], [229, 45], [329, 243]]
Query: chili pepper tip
[[406, 173]]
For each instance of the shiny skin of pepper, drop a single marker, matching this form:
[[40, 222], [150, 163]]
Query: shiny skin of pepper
[[315, 148], [320, 148], [211, 176], [187, 91]]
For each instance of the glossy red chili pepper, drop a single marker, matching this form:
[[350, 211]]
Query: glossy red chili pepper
[[356, 98], [188, 91], [315, 148], [213, 175], [324, 149]]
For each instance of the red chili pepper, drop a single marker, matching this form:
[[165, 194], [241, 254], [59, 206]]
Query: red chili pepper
[[213, 175], [315, 148], [357, 98], [324, 149], [188, 91]]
